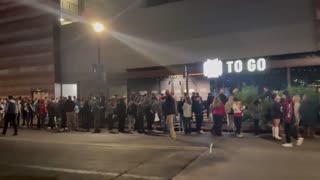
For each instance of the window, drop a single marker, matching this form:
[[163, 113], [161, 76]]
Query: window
[[68, 7]]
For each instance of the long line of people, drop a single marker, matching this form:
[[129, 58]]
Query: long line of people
[[73, 114]]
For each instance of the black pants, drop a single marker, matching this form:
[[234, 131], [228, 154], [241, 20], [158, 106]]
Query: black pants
[[41, 120], [256, 126], [150, 118], [121, 125], [217, 127], [63, 120], [140, 123], [51, 121], [12, 119], [18, 119], [187, 125], [238, 124], [199, 120], [290, 132]]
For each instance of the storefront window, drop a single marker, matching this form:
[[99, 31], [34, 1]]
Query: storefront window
[[306, 76]]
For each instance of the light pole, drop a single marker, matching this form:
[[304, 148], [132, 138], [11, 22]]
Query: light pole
[[98, 29]]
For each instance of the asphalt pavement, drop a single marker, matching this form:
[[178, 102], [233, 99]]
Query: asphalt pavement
[[45, 155]]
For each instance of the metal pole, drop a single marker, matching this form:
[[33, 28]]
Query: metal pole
[[99, 54], [187, 78], [289, 76]]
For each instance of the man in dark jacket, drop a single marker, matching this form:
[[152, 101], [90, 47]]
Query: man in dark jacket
[[170, 112], [198, 110], [71, 115], [10, 112]]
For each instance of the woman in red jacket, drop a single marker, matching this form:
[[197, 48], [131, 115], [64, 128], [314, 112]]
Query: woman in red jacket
[[219, 113]]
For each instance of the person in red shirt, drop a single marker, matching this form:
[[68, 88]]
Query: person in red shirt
[[219, 113], [43, 112]]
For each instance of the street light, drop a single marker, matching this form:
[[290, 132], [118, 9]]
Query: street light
[[98, 27]]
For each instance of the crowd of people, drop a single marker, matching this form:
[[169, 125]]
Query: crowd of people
[[140, 112]]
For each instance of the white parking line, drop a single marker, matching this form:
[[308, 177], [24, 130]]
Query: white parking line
[[88, 172]]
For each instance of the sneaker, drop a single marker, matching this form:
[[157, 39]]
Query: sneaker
[[300, 141], [287, 145], [239, 135], [49, 128], [278, 137]]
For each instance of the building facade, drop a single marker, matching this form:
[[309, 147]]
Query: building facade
[[162, 36]]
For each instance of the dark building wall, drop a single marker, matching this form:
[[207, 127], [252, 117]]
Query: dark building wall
[[26, 49]]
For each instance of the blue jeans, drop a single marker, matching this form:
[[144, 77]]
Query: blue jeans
[[187, 125]]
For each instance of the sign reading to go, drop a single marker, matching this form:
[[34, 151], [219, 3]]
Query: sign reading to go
[[214, 68]]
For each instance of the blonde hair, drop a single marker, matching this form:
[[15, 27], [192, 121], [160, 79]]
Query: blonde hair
[[216, 102]]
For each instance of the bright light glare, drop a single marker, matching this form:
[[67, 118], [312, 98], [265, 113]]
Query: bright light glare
[[98, 27], [213, 68], [61, 19]]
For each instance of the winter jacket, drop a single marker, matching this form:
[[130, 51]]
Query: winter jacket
[[288, 110], [187, 110], [169, 106]]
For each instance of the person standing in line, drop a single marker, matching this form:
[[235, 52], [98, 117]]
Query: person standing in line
[[10, 116], [276, 113], [296, 109], [71, 116], [43, 112], [149, 114], [156, 107], [238, 116], [2, 107], [230, 113], [170, 111], [209, 106], [110, 113], [51, 113], [24, 110], [122, 114], [132, 113], [86, 115], [187, 113], [97, 108], [31, 113], [219, 113], [288, 119], [19, 107], [198, 110], [140, 115], [309, 115], [180, 110], [256, 110]]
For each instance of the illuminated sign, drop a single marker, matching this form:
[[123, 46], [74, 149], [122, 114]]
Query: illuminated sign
[[214, 68]]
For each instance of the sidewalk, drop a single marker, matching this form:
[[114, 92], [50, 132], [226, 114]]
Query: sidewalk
[[254, 158]]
